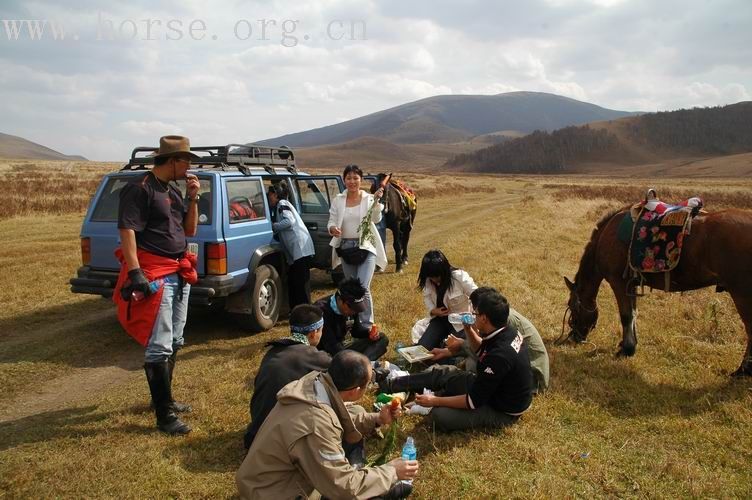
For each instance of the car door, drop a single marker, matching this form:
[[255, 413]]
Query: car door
[[247, 225], [315, 195]]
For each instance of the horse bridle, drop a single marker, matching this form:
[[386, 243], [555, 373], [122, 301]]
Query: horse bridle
[[580, 307]]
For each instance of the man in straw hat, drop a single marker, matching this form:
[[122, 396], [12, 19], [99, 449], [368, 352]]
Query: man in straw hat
[[156, 269]]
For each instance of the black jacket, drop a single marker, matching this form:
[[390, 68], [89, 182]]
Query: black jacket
[[336, 327], [504, 380], [286, 361]]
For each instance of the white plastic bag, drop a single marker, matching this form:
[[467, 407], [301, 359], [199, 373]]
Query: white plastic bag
[[419, 328]]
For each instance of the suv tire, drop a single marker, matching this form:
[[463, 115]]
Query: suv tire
[[266, 300]]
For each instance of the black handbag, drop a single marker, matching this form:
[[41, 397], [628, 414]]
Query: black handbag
[[354, 256]]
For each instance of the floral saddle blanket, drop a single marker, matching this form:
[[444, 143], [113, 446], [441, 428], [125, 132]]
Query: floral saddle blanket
[[657, 238]]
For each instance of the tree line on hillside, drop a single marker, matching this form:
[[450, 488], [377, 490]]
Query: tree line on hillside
[[539, 152], [718, 130], [715, 131]]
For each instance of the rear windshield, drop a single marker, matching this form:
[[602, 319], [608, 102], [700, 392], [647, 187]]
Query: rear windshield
[[106, 209]]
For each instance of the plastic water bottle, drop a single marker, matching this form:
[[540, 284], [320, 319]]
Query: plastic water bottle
[[154, 287], [409, 452], [462, 318]]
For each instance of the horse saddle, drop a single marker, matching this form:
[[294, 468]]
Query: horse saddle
[[655, 232]]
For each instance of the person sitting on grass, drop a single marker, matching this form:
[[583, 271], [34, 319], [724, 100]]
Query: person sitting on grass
[[536, 349], [341, 317], [446, 290], [288, 359], [299, 447], [494, 396]]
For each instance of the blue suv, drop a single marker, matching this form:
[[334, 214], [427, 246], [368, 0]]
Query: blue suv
[[240, 265]]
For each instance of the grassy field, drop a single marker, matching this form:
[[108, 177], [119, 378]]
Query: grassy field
[[669, 422]]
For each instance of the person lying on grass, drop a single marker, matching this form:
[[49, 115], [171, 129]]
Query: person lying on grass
[[299, 447], [536, 349], [494, 396], [288, 359]]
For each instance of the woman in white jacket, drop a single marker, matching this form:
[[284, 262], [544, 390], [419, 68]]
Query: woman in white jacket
[[355, 240], [446, 290]]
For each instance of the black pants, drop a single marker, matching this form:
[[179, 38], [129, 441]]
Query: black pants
[[439, 328], [373, 350], [299, 282]]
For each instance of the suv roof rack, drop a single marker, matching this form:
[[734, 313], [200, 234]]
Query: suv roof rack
[[242, 156]]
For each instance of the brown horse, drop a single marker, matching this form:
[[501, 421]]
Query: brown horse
[[718, 251], [397, 217]]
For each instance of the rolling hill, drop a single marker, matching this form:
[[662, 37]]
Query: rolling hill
[[640, 140], [12, 146], [456, 119]]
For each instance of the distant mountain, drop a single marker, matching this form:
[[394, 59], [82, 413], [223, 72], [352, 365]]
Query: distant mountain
[[457, 118], [651, 137], [12, 146]]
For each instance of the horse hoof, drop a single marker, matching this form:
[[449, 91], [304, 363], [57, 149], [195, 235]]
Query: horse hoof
[[626, 351]]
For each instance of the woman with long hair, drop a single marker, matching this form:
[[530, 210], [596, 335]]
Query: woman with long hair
[[446, 290], [355, 239]]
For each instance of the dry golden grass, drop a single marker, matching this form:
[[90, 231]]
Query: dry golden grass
[[51, 187], [668, 422]]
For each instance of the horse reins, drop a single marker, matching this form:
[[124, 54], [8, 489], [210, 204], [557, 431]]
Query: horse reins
[[578, 303]]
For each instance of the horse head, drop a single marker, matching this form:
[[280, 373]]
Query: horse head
[[380, 181], [582, 317]]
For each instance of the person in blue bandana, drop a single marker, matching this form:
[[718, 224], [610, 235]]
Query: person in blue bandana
[[288, 359], [341, 317]]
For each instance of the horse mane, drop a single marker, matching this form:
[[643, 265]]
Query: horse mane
[[587, 261]]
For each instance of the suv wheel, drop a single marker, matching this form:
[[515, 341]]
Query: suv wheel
[[266, 299]]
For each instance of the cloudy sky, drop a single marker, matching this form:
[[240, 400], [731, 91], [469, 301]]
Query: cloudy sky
[[129, 72]]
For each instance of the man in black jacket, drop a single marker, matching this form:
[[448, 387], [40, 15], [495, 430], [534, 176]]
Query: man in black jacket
[[341, 317], [289, 359], [497, 394]]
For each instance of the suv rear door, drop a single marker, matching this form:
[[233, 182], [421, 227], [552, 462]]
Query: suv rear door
[[315, 193]]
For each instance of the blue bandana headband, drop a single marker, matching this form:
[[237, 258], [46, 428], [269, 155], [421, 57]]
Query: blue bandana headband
[[304, 329]]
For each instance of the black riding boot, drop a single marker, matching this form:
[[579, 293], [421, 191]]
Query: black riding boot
[[158, 375], [176, 407]]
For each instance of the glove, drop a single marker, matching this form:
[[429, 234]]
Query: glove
[[139, 283]]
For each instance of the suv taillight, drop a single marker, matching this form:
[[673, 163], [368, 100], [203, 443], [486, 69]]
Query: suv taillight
[[216, 258], [86, 251]]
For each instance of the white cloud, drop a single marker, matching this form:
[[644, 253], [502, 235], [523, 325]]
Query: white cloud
[[100, 99], [150, 128]]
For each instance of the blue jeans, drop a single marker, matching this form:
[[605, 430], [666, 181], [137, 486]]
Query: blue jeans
[[167, 333], [364, 272]]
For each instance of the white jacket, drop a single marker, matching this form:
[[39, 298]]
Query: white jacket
[[337, 214], [456, 298]]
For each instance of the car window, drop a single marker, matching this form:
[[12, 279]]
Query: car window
[[314, 197], [245, 199], [204, 200], [106, 209], [333, 187]]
